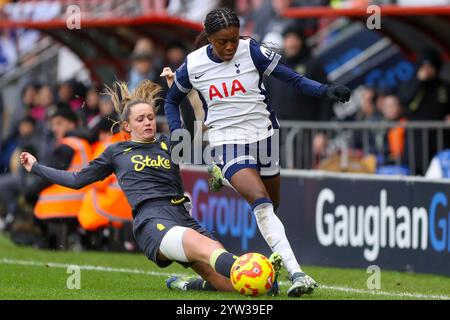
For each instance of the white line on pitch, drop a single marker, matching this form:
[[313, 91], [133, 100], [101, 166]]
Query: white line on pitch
[[85, 267], [380, 293], [167, 274]]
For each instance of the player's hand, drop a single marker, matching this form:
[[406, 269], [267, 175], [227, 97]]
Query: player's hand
[[168, 73], [339, 93], [27, 160]]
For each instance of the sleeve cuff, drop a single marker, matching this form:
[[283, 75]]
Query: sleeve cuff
[[35, 168]]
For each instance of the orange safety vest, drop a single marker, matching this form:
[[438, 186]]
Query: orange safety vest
[[396, 140], [104, 203], [57, 201]]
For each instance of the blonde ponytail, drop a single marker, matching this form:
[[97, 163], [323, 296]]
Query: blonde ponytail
[[122, 99]]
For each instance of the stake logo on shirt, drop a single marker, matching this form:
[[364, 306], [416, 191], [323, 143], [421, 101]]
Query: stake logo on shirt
[[140, 162]]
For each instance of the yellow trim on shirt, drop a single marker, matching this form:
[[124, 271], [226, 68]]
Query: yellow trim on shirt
[[154, 140]]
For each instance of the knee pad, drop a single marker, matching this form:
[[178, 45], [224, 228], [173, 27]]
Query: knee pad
[[172, 244]]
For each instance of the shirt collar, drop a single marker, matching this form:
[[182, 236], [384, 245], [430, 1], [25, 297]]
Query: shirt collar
[[209, 52]]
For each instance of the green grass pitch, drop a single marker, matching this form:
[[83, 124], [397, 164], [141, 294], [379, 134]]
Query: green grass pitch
[[28, 273]]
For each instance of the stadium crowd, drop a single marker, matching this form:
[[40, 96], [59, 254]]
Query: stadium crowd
[[69, 123]]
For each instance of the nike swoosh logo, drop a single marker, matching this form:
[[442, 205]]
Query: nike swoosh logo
[[275, 244], [199, 76]]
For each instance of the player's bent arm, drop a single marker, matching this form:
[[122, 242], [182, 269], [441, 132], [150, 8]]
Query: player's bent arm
[[97, 169], [171, 107], [175, 95], [190, 108]]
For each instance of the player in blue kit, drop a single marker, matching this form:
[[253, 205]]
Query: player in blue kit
[[228, 74]]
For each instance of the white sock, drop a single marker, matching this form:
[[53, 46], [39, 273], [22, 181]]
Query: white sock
[[272, 230]]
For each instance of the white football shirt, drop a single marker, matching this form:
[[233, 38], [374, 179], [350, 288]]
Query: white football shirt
[[237, 106]]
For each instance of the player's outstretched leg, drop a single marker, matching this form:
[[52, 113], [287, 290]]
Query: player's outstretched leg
[[199, 284], [210, 260], [187, 284], [210, 280]]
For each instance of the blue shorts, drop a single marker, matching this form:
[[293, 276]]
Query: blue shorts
[[262, 156]]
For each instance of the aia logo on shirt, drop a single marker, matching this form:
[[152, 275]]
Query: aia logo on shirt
[[226, 90]]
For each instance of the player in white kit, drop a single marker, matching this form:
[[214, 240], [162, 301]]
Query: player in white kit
[[228, 75]]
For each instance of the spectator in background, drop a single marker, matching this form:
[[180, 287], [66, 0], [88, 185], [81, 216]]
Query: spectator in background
[[25, 132], [380, 94], [36, 102], [289, 103], [440, 166], [72, 93], [29, 98], [12, 182], [65, 92], [145, 66], [45, 103], [394, 137], [268, 19], [389, 145], [106, 107], [21, 191], [365, 109], [2, 114], [368, 110], [175, 54], [104, 204], [142, 63], [64, 122], [90, 111], [194, 10], [245, 9], [71, 151], [8, 50], [426, 98]]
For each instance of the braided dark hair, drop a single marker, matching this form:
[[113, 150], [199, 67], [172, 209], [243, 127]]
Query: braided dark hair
[[216, 20]]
